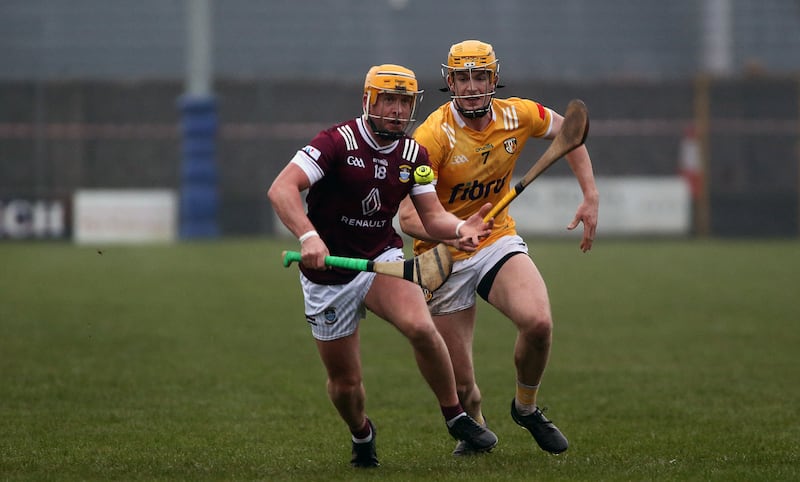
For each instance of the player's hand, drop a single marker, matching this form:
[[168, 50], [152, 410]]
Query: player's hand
[[313, 252], [475, 229], [586, 214]]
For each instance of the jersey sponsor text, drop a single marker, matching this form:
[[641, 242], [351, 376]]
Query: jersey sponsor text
[[475, 190], [364, 223]]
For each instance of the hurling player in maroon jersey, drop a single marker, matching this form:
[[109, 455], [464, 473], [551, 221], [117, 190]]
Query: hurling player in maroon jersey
[[356, 174]]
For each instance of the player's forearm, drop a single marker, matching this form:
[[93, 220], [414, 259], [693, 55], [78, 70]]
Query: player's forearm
[[288, 206], [414, 228], [441, 226], [581, 165], [411, 223], [430, 221]]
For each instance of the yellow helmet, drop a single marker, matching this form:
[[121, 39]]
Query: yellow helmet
[[468, 56], [391, 79], [471, 55]]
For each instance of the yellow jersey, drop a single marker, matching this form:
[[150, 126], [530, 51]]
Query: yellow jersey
[[473, 168]]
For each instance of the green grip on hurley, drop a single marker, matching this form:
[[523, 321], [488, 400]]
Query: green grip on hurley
[[289, 257], [354, 264]]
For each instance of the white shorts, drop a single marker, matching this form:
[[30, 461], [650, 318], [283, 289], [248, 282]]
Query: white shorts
[[334, 311], [458, 292]]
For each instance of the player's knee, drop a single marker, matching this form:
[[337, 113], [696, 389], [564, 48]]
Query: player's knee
[[344, 384], [537, 328], [420, 334]]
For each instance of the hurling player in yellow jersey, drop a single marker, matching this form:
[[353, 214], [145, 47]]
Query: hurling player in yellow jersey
[[473, 143]]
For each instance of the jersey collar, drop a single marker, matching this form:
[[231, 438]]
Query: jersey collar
[[366, 133]]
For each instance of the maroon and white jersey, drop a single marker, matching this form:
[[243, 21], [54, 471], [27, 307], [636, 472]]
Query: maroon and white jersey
[[356, 189]]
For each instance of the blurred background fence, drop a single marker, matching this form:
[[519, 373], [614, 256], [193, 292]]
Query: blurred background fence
[[90, 95]]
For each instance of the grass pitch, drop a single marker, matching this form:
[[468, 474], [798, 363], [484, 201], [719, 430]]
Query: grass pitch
[[672, 360]]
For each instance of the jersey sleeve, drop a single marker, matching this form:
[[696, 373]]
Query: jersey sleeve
[[315, 158], [306, 159], [541, 118], [421, 159], [423, 188]]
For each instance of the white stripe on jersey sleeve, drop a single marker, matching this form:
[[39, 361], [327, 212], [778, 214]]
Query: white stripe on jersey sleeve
[[348, 136], [450, 133], [510, 118], [410, 150], [308, 165]]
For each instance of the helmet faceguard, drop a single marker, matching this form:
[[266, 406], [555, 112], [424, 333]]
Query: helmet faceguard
[[390, 79], [470, 57]]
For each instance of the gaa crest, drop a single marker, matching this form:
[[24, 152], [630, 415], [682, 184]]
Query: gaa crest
[[510, 144]]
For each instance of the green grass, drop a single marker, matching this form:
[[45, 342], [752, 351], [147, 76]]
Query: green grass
[[672, 360]]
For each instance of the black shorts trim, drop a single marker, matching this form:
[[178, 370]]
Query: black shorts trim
[[485, 285]]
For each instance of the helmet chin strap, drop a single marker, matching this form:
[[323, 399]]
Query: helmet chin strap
[[474, 113]]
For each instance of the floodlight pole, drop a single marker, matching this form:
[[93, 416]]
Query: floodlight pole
[[717, 38], [199, 178]]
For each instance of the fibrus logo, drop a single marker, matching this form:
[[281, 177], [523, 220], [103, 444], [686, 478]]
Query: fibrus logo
[[475, 190]]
